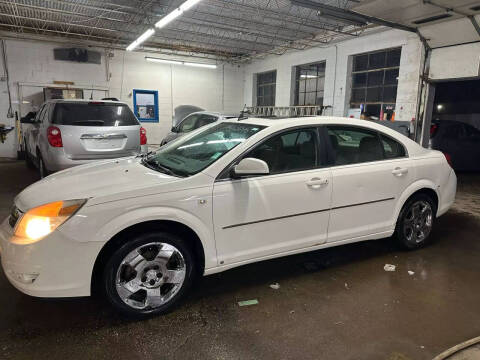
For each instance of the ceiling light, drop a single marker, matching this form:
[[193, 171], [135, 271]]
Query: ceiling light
[[165, 61], [140, 39], [169, 17], [178, 62], [188, 4], [176, 13], [209, 66]]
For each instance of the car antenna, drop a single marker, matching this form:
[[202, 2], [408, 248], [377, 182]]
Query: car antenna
[[244, 113]]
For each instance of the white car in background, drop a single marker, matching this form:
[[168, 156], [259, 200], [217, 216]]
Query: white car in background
[[226, 195], [194, 121]]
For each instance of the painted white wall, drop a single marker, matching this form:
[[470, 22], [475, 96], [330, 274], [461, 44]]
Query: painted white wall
[[337, 76], [218, 89]]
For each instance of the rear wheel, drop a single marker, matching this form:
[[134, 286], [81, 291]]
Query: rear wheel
[[149, 274], [415, 222]]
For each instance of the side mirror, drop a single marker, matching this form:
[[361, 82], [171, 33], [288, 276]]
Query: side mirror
[[173, 129], [250, 166]]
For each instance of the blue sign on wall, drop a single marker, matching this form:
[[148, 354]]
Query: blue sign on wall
[[145, 105]]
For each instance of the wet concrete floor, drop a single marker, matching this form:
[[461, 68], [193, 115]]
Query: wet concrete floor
[[337, 303]]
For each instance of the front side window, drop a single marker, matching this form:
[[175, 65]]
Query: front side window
[[309, 84], [266, 84], [354, 145], [374, 84], [287, 152], [189, 156]]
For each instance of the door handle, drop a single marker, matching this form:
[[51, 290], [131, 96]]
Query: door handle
[[316, 182], [399, 171]]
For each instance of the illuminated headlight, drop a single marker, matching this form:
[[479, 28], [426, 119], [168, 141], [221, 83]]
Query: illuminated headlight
[[38, 222]]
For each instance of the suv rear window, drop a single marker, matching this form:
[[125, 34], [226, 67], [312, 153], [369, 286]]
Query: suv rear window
[[93, 114]]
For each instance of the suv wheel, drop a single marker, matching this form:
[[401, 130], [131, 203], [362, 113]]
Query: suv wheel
[[149, 274], [415, 222]]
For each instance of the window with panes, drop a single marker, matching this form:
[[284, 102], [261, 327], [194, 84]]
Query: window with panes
[[374, 83], [309, 84], [266, 83]]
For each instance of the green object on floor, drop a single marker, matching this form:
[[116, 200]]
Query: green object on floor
[[248, 302]]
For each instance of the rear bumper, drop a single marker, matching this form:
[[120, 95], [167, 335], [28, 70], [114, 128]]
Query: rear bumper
[[57, 160], [448, 193], [60, 266]]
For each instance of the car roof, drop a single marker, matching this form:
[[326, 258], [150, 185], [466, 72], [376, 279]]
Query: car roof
[[281, 123], [54, 101], [216, 113]]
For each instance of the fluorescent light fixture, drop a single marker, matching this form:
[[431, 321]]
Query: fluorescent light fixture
[[168, 18], [178, 62], [209, 66], [176, 13], [165, 61], [189, 4], [140, 39], [306, 76]]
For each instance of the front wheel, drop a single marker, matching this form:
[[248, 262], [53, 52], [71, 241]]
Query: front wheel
[[149, 274], [415, 222]]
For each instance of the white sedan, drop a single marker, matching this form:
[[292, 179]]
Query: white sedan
[[232, 193]]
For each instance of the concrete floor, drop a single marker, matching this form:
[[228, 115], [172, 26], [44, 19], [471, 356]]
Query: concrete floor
[[332, 304]]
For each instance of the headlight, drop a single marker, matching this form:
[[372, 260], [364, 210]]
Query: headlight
[[38, 222]]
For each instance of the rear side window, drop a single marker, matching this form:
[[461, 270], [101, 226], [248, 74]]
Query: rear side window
[[392, 149], [93, 114], [354, 145]]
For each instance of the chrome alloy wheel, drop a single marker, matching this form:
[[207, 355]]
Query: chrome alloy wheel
[[150, 275], [418, 222]]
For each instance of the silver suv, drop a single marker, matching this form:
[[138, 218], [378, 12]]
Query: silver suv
[[66, 133], [194, 121]]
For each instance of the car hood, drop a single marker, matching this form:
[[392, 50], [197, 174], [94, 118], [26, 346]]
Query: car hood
[[99, 182]]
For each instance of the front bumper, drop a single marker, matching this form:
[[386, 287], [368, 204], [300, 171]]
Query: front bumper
[[62, 267]]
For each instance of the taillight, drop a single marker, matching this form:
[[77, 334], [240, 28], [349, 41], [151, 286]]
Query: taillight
[[433, 130], [449, 159], [143, 136], [54, 136]]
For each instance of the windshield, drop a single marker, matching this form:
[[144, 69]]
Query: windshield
[[187, 157], [93, 114]]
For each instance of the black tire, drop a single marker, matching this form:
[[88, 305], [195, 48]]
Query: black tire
[[28, 158], [413, 232], [115, 266]]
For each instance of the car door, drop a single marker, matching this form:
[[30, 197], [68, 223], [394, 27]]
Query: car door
[[370, 171], [288, 209]]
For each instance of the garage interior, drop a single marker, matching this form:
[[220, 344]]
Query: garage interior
[[414, 63]]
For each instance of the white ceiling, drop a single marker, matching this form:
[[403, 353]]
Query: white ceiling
[[456, 29], [408, 11]]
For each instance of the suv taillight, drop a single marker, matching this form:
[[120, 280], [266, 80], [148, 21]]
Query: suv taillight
[[143, 136], [54, 136]]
